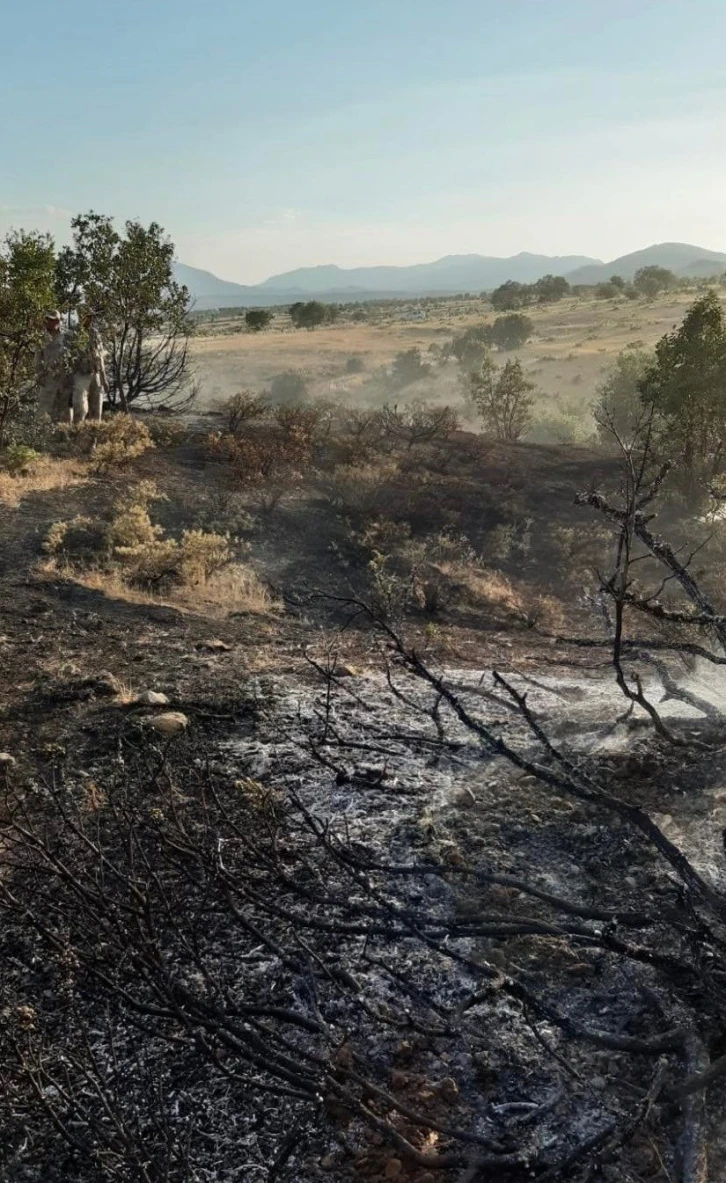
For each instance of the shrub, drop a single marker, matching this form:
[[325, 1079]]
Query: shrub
[[165, 430], [242, 409], [408, 366], [355, 365], [201, 555], [288, 387], [113, 443], [18, 459]]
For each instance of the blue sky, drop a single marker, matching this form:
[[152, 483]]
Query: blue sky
[[270, 136]]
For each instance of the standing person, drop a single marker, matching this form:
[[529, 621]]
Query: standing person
[[51, 372], [88, 369]]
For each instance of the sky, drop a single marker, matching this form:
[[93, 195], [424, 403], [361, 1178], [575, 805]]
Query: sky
[[265, 137]]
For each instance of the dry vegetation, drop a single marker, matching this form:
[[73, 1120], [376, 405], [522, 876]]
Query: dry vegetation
[[294, 889], [575, 341]]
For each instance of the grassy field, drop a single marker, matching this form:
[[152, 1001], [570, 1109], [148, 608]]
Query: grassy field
[[574, 343]]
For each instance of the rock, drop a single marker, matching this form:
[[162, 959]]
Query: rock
[[169, 724], [465, 799], [393, 1168], [448, 1090], [214, 646], [6, 760], [151, 698], [344, 670]]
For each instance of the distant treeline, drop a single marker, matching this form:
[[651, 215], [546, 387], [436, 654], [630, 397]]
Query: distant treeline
[[511, 296]]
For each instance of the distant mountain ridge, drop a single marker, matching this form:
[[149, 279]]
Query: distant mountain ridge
[[446, 276]]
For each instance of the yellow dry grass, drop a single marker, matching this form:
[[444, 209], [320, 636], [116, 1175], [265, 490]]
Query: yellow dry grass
[[575, 341], [236, 589], [46, 475]]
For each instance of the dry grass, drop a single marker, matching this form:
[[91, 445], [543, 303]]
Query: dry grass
[[236, 589], [46, 475], [574, 342]]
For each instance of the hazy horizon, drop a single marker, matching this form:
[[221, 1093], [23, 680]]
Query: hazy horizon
[[266, 141]]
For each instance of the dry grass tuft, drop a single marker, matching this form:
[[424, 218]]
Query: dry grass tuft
[[46, 475]]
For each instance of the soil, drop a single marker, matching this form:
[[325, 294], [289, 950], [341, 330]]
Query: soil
[[403, 783]]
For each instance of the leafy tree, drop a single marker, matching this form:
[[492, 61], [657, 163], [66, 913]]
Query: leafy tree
[[503, 399], [510, 296], [128, 280], [617, 281], [652, 280], [470, 347], [307, 315], [512, 331], [257, 319], [408, 366], [27, 273], [686, 386], [551, 288], [619, 405], [607, 291]]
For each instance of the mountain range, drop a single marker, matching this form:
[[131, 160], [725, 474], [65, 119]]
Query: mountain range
[[447, 276]]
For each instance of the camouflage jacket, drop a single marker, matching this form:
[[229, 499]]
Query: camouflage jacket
[[50, 359], [84, 352]]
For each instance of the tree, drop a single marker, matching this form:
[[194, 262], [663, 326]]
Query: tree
[[408, 366], [607, 291], [128, 281], [686, 386], [617, 281], [619, 406], [551, 288], [257, 319], [27, 272], [503, 399], [652, 280], [511, 332], [307, 315], [470, 347], [511, 295]]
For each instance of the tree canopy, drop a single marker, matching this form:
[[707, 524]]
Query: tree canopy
[[257, 319], [686, 387], [27, 277], [128, 281], [503, 399], [512, 331]]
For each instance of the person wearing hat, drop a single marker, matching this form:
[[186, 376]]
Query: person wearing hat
[[51, 373]]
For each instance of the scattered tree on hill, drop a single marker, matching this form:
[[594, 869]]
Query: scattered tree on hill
[[128, 281], [511, 332], [511, 295], [503, 399], [27, 263], [470, 347], [686, 386], [257, 319], [619, 406], [551, 288], [608, 291], [649, 281], [308, 315], [408, 366]]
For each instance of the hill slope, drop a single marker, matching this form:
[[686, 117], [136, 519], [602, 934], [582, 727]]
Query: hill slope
[[680, 257], [449, 275]]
